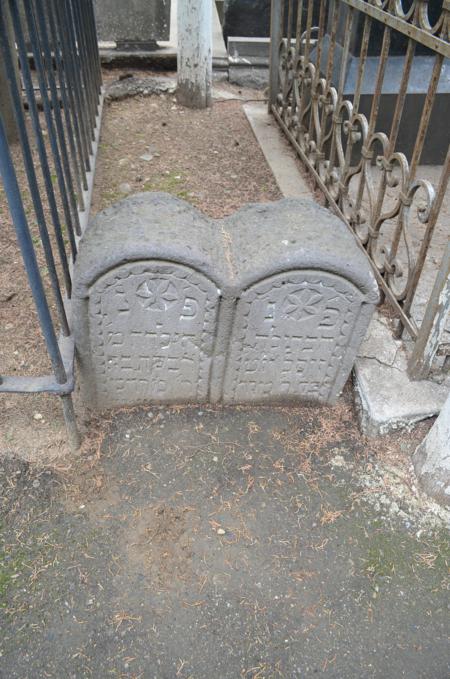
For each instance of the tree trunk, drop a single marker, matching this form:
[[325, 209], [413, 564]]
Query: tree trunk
[[194, 53]]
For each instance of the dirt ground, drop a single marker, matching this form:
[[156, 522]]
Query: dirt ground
[[251, 543]]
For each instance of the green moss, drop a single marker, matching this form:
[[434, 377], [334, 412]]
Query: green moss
[[170, 183], [395, 553], [382, 557]]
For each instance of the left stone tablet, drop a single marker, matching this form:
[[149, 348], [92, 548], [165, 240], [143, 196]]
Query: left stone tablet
[[152, 326], [146, 305]]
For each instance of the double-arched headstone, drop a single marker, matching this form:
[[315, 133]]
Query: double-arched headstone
[[268, 305]]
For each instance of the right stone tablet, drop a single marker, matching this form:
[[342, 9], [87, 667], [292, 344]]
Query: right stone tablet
[[298, 326], [290, 336]]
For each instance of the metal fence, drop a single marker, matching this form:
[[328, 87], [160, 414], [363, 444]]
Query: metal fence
[[50, 56], [352, 138]]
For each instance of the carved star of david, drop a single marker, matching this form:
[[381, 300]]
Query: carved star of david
[[157, 294], [302, 303]]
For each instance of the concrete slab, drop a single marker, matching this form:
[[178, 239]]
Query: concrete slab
[[253, 75], [277, 152], [387, 398], [432, 458]]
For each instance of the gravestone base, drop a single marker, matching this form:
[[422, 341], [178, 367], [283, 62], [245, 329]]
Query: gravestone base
[[269, 305]]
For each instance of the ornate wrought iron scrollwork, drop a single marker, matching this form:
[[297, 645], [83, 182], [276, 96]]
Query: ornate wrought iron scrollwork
[[371, 184]]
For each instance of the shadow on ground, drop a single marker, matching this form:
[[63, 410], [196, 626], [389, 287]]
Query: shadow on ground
[[228, 543]]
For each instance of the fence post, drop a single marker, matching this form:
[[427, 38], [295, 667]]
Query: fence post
[[275, 40], [6, 104], [433, 323], [194, 53]]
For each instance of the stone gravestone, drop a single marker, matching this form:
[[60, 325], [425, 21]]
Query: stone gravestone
[[153, 325], [135, 24], [304, 300], [146, 298], [268, 305]]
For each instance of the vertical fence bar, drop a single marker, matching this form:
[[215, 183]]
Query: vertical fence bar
[[357, 97], [29, 256], [51, 55], [92, 47], [84, 66], [67, 59], [433, 324], [309, 17], [426, 114], [66, 192], [328, 74], [434, 214], [93, 50], [341, 85], [71, 57], [47, 64], [30, 172], [40, 144]]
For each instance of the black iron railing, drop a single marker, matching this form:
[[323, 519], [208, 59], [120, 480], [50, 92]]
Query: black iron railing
[[54, 89]]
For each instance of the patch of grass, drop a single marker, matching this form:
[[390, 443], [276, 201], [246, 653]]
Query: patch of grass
[[169, 183], [381, 559], [112, 195]]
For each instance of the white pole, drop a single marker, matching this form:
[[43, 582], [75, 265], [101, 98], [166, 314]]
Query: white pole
[[194, 52]]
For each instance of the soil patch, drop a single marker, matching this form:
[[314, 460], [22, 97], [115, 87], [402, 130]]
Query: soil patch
[[225, 542]]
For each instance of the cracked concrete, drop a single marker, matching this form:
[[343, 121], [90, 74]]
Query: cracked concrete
[[387, 398]]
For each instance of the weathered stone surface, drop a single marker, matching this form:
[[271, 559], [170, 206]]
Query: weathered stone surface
[[152, 333], [131, 86], [270, 304], [290, 336], [133, 21], [305, 297], [387, 398], [145, 302], [255, 77], [432, 458]]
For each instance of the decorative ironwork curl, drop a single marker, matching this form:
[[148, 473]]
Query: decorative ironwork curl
[[357, 166]]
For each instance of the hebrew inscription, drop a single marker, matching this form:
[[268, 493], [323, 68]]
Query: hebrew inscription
[[289, 337], [269, 304], [152, 327]]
